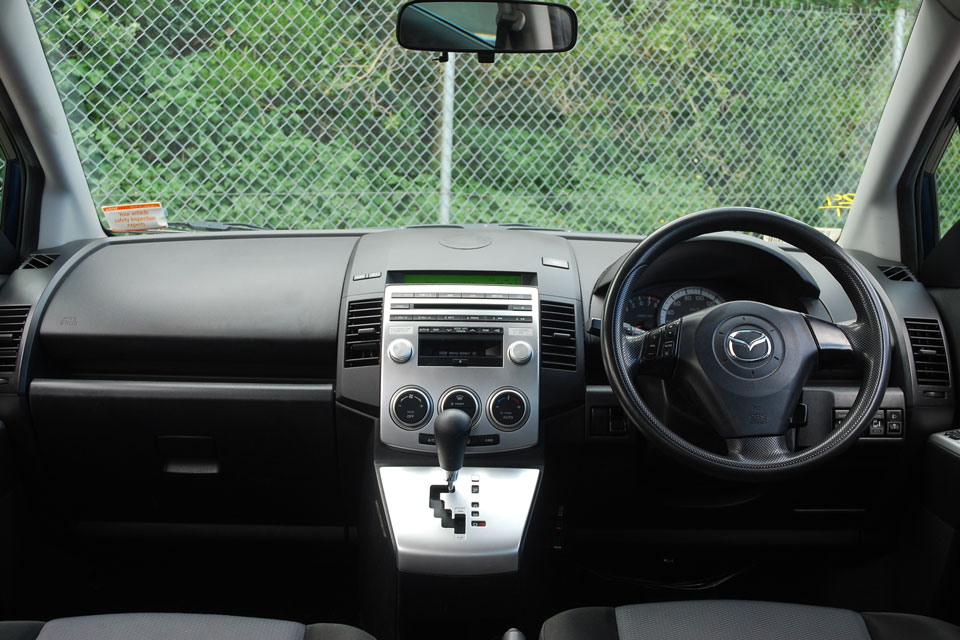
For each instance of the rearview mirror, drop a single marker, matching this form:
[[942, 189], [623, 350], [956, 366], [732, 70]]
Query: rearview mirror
[[486, 26]]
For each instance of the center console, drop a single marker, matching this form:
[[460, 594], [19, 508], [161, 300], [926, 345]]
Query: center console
[[446, 349]]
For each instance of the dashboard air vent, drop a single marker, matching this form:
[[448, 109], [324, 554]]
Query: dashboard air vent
[[929, 352], [897, 273], [12, 320], [364, 321], [558, 336], [39, 261]]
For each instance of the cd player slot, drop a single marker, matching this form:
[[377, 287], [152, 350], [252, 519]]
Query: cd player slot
[[459, 318], [460, 307], [460, 347]]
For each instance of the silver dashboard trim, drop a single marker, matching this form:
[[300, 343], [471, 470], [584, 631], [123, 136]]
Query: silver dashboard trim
[[476, 306], [505, 501]]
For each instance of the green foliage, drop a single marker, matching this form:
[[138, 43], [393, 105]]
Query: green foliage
[[305, 113]]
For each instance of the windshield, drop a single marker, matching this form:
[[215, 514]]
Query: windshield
[[307, 115]]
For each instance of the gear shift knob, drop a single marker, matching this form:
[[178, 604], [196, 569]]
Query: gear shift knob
[[451, 429]]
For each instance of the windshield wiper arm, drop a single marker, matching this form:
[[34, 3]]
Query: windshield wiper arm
[[212, 225]]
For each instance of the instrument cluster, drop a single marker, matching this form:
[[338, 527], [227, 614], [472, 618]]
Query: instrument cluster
[[648, 310]]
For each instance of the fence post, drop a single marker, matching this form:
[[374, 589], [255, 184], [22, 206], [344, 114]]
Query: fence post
[[899, 25], [446, 137]]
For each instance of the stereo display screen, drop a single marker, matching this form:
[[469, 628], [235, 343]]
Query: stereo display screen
[[463, 278]]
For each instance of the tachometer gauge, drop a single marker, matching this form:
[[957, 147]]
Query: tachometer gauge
[[686, 301], [641, 312]]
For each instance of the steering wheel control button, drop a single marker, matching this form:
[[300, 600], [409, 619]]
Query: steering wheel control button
[[658, 351], [748, 347], [463, 399], [411, 407], [651, 344], [400, 350], [520, 352], [507, 409]]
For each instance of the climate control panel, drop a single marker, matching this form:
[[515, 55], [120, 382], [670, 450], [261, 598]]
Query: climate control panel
[[467, 347]]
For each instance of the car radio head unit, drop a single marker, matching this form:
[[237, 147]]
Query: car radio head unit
[[473, 347]]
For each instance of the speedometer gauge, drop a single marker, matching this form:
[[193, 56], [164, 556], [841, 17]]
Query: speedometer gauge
[[686, 301], [640, 311]]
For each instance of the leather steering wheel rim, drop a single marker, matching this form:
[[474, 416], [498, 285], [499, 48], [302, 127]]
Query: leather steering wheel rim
[[765, 456]]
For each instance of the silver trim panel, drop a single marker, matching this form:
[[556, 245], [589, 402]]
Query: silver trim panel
[[514, 309], [504, 499]]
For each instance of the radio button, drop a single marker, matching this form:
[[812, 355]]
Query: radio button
[[507, 409], [520, 352], [411, 407], [400, 350]]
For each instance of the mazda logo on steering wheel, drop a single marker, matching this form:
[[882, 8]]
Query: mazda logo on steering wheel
[[749, 345]]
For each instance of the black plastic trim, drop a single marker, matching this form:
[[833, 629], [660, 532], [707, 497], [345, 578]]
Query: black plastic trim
[[31, 178], [910, 189]]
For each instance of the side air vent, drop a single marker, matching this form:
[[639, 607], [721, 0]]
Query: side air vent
[[364, 321], [558, 336], [39, 261], [12, 320], [929, 352], [897, 273]]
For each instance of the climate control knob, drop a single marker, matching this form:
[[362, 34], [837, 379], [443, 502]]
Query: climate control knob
[[400, 350], [507, 409], [411, 407], [463, 399], [520, 352]]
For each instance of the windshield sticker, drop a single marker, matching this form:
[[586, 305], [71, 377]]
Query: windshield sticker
[[127, 218], [839, 203]]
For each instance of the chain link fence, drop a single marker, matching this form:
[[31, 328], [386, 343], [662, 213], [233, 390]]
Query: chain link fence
[[306, 114]]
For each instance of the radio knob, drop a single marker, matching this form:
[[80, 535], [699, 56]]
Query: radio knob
[[520, 352], [400, 350]]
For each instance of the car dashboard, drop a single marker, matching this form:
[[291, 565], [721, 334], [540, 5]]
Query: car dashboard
[[252, 377]]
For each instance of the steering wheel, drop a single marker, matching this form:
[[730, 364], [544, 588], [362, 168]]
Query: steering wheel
[[745, 363]]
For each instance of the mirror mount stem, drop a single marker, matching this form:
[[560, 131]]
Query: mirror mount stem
[[485, 57], [443, 57]]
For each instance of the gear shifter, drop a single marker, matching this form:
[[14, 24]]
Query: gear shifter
[[451, 429]]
